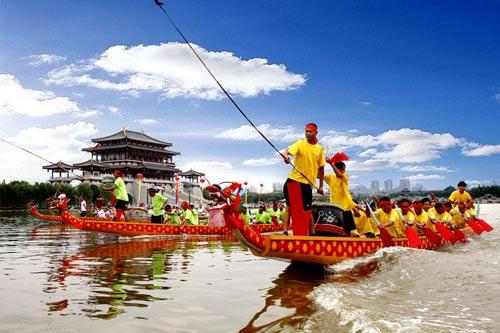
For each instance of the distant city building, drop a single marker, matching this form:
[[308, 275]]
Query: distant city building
[[404, 184], [278, 187], [388, 185], [417, 188], [374, 187]]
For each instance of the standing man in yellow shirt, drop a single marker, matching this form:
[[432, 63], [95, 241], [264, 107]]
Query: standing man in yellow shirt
[[120, 192], [338, 184], [461, 194], [309, 163]]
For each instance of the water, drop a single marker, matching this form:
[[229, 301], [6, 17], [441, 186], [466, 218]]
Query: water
[[58, 279]]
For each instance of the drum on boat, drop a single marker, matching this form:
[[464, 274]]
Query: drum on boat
[[328, 219]]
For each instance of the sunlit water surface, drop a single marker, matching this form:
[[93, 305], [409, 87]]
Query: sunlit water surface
[[58, 279]]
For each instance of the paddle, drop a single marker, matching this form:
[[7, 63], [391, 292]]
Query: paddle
[[481, 222], [386, 237], [411, 234], [460, 235], [446, 233], [433, 237]]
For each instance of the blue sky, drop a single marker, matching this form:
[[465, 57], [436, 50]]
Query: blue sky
[[406, 89]]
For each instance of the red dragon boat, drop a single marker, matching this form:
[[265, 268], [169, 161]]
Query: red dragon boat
[[323, 250], [143, 228]]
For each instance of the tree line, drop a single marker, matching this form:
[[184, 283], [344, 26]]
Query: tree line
[[17, 194]]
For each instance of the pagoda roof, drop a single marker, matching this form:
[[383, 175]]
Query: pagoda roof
[[130, 145], [90, 163], [131, 135], [191, 173], [58, 166]]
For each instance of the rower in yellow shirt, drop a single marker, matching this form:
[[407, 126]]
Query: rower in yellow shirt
[[408, 216], [363, 225], [388, 218], [460, 215], [440, 215], [421, 217], [460, 194]]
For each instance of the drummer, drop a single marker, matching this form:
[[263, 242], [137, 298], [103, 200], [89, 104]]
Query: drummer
[[338, 184]]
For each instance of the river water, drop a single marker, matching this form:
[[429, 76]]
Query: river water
[[58, 279]]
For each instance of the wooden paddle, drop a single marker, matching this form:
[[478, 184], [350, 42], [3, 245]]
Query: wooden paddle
[[386, 237], [474, 226], [411, 234]]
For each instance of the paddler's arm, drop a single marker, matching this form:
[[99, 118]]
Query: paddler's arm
[[111, 188], [338, 173]]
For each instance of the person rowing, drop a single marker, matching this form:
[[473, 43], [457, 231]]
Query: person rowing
[[309, 163]]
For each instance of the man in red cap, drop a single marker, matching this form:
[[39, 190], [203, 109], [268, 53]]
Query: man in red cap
[[309, 162]]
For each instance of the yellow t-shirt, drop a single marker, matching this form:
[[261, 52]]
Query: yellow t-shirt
[[407, 218], [308, 158], [339, 191], [363, 224], [444, 217], [424, 219], [396, 230], [459, 218], [457, 196], [120, 190]]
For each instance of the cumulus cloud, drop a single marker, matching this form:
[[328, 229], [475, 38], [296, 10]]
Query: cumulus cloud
[[424, 168], [421, 177], [87, 114], [484, 150], [206, 166], [368, 152], [476, 183], [365, 103], [369, 165], [63, 142], [14, 99], [248, 133], [147, 121], [172, 70], [44, 59], [259, 162]]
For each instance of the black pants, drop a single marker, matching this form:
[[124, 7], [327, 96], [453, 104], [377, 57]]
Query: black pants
[[82, 214], [156, 219]]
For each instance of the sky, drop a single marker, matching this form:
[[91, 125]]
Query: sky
[[406, 89]]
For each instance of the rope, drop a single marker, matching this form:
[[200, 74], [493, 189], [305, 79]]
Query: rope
[[160, 4], [40, 157]]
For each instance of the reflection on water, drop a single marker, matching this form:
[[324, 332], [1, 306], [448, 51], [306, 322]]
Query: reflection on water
[[57, 278]]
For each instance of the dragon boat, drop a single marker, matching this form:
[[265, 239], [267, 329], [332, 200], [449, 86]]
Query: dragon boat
[[301, 247], [140, 228], [51, 218]]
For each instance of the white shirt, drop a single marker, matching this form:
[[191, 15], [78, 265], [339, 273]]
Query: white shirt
[[83, 206], [101, 213]]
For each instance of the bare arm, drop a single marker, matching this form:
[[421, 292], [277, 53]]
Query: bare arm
[[321, 176], [338, 173]]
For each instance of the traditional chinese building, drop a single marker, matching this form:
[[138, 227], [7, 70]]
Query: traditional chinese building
[[133, 153]]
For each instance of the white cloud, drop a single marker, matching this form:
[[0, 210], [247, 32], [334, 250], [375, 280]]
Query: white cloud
[[369, 165], [368, 152], [206, 166], [44, 59], [248, 133], [421, 177], [63, 142], [14, 99], [365, 103], [484, 150], [172, 70], [424, 168], [353, 130], [259, 162], [147, 121], [114, 110]]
